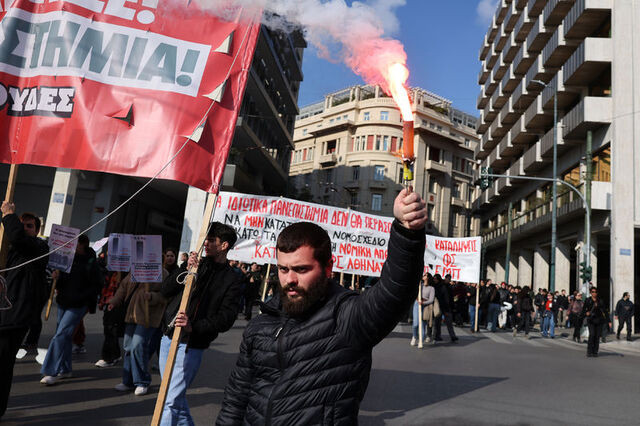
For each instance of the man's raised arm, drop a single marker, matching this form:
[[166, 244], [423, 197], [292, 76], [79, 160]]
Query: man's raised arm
[[373, 315]]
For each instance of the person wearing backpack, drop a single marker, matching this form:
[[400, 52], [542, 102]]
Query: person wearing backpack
[[524, 307]]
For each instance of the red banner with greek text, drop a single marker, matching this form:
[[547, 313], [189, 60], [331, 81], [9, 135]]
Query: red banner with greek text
[[359, 241], [118, 86]]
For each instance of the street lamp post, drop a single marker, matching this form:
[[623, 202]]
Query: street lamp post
[[554, 192]]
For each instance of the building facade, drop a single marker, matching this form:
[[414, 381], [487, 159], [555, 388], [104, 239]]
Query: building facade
[[581, 54], [347, 154]]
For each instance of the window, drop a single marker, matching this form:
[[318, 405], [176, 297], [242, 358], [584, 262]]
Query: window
[[455, 191], [432, 125], [430, 212], [304, 132], [454, 220], [376, 202], [385, 143], [384, 115], [345, 117], [400, 174], [432, 185], [378, 139], [331, 146], [355, 172], [310, 157], [434, 154], [439, 128], [467, 142], [378, 173], [354, 199], [338, 118], [366, 116], [328, 176]]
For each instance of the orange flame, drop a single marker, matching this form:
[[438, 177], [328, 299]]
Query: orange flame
[[397, 77]]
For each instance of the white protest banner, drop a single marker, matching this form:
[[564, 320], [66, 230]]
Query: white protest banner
[[63, 258], [146, 259], [458, 257], [119, 252], [359, 240], [97, 246]]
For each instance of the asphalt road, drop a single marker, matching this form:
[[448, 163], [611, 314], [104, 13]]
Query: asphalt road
[[486, 379]]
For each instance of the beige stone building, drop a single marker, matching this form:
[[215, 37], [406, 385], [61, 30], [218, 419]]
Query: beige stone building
[[346, 154], [584, 54]]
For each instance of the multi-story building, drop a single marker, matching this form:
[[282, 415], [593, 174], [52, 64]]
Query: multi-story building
[[347, 154], [580, 53]]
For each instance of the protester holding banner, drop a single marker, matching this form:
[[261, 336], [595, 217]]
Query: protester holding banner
[[144, 312], [77, 294], [213, 308], [307, 358], [25, 289]]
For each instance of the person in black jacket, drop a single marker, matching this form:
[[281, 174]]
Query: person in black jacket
[[25, 290], [77, 294], [306, 359], [524, 308], [445, 300], [213, 307], [596, 314], [625, 310]]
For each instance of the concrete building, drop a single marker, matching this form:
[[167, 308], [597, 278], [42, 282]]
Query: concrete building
[[258, 163], [346, 154], [583, 53]]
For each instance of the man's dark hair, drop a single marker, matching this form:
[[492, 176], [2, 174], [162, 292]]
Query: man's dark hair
[[31, 216], [224, 232], [84, 240], [306, 234]]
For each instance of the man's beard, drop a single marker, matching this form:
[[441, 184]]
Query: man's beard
[[305, 298]]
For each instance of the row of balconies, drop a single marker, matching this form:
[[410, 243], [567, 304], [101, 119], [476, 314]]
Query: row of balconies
[[556, 43]]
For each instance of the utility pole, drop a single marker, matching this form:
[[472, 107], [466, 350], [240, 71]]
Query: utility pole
[[554, 197], [507, 262]]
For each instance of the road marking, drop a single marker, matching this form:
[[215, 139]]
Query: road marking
[[496, 338], [533, 342]]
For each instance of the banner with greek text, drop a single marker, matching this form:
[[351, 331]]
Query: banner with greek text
[[458, 257], [146, 261], [359, 241], [118, 86], [63, 258]]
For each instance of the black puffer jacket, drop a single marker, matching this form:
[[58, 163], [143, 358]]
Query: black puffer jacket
[[81, 286], [315, 370], [26, 286]]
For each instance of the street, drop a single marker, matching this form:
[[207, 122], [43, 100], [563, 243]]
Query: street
[[485, 379]]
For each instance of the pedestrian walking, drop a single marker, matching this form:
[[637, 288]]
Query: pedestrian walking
[[524, 310], [624, 313], [494, 308], [575, 316], [563, 308], [596, 314], [550, 309], [112, 322], [445, 300], [428, 313]]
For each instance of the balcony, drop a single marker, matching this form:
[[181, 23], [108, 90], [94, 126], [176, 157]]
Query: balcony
[[489, 113], [517, 169], [509, 81], [352, 185], [591, 58], [520, 135], [522, 28], [523, 60], [507, 148], [538, 37], [484, 74], [546, 143], [328, 159], [536, 7], [521, 97], [497, 130], [508, 115], [484, 49], [501, 12], [502, 38], [482, 100], [492, 31], [585, 17], [504, 185], [377, 184], [535, 117], [591, 113], [537, 72], [435, 166], [532, 160], [494, 55], [566, 96], [499, 70], [555, 11], [498, 99], [510, 50], [558, 49], [511, 18]]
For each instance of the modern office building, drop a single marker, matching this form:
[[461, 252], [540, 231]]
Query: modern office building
[[258, 163], [582, 54], [347, 154]]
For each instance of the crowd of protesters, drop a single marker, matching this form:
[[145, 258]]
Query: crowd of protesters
[[518, 309]]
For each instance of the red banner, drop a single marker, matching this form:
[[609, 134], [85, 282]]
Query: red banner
[[119, 85]]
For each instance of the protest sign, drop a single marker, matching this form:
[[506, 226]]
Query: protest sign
[[119, 252], [118, 86], [97, 246], [146, 260], [63, 258], [359, 241], [458, 257]]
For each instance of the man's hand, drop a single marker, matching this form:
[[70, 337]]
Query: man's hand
[[410, 210], [193, 260], [182, 320], [55, 274], [7, 208]]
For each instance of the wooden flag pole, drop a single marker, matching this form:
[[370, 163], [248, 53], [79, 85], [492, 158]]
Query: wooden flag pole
[[177, 332], [53, 290], [266, 282], [477, 307], [419, 319], [341, 279], [353, 280], [11, 188]]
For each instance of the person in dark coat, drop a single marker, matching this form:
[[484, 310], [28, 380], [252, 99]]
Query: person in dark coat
[[25, 288], [524, 308], [77, 294], [213, 307], [445, 299], [596, 313], [306, 359], [625, 310]]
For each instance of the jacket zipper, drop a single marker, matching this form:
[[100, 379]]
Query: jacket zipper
[[279, 336]]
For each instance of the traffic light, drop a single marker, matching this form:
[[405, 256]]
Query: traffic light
[[485, 181], [585, 272]]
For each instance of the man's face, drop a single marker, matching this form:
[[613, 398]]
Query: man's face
[[626, 297], [303, 281], [549, 296], [213, 246], [564, 293], [29, 227], [255, 267], [170, 258], [579, 296]]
